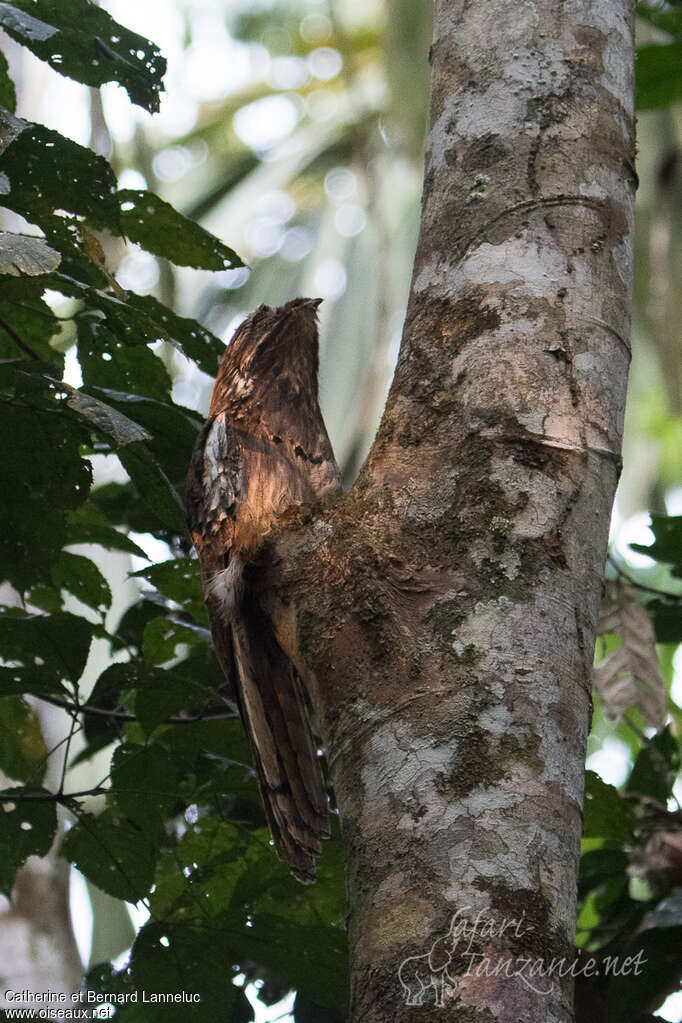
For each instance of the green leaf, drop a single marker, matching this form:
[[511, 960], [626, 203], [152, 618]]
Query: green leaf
[[123, 506], [144, 784], [41, 469], [26, 255], [103, 417], [312, 958], [606, 814], [23, 755], [656, 768], [79, 39], [175, 959], [212, 984], [44, 650], [27, 828], [88, 524], [25, 314], [667, 618], [82, 256], [153, 486], [667, 545], [162, 637], [43, 172], [128, 439], [100, 730], [197, 878], [81, 577], [195, 341], [158, 228], [158, 693], [116, 854], [211, 748], [164, 694], [669, 21], [180, 580], [142, 319], [108, 361], [172, 429], [46, 598], [658, 75], [601, 866], [8, 96], [130, 629]]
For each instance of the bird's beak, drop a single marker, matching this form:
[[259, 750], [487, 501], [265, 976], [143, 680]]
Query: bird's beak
[[315, 302]]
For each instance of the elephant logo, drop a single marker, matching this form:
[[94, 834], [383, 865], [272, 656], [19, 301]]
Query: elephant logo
[[418, 973]]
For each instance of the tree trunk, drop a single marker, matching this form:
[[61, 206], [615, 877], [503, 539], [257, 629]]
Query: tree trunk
[[444, 613]]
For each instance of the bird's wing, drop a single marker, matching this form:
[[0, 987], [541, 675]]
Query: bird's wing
[[227, 476], [211, 495], [297, 432]]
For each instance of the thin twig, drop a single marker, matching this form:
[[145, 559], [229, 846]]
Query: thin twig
[[49, 797], [75, 726], [123, 715]]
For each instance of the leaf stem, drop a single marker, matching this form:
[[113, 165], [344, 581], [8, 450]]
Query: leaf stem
[[18, 342]]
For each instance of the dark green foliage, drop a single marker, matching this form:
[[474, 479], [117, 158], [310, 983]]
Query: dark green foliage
[[116, 854], [667, 545], [28, 822], [24, 312], [666, 609], [620, 923], [658, 81], [605, 814], [87, 524], [659, 75], [45, 650], [23, 756], [668, 20], [40, 469], [160, 229], [178, 580], [188, 336], [79, 39], [656, 768], [47, 172], [8, 97], [119, 365]]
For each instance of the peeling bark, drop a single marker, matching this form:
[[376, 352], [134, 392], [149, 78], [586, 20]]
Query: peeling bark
[[444, 612]]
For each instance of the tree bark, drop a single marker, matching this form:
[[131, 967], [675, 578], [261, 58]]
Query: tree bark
[[444, 612]]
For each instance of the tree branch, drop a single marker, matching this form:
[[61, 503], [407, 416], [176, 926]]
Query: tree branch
[[50, 797], [443, 613]]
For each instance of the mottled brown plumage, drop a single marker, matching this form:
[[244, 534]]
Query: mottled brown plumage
[[263, 451]]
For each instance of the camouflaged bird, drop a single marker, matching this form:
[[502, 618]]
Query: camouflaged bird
[[264, 451]]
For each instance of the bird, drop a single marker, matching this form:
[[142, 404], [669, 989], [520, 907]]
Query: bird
[[264, 452]]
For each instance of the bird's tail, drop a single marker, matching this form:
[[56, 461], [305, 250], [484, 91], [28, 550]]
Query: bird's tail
[[275, 712]]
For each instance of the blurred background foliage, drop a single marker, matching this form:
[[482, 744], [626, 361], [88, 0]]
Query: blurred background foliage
[[293, 131]]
